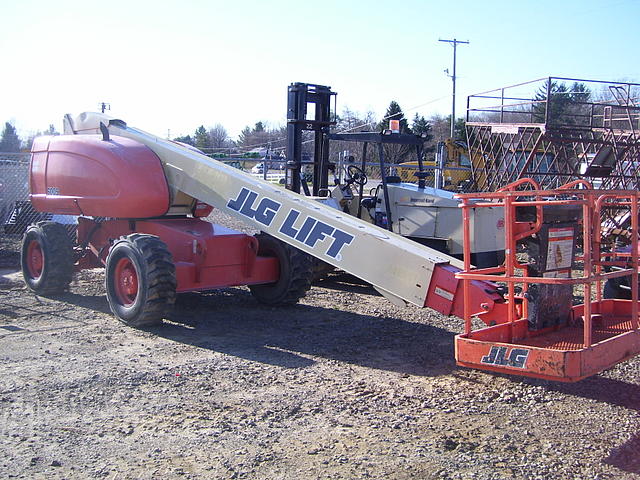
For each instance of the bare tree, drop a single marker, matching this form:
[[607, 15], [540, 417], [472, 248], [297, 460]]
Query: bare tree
[[219, 138], [262, 138]]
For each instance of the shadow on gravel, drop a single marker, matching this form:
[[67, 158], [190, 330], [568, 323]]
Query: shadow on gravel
[[345, 282], [626, 457], [97, 303], [10, 250], [236, 325], [232, 322]]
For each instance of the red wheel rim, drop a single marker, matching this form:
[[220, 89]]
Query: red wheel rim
[[126, 282], [35, 259]]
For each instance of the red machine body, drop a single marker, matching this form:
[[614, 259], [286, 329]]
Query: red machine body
[[123, 180], [206, 256], [85, 175]]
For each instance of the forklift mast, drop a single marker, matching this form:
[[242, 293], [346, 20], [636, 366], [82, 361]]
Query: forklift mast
[[300, 97]]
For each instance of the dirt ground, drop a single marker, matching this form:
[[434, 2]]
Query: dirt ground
[[343, 385]]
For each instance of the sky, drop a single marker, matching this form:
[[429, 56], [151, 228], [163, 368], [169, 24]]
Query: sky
[[169, 66]]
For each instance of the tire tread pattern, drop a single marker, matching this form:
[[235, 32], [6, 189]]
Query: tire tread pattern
[[296, 274], [58, 253], [161, 279]]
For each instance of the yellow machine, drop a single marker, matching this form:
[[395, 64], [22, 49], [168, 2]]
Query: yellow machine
[[452, 159]]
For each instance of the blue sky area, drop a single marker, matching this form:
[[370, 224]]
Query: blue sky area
[[174, 65]]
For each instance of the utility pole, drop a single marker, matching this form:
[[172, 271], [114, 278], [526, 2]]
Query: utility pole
[[455, 43], [105, 106]]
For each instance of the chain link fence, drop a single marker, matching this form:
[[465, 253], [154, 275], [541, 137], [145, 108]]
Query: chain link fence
[[16, 212], [14, 190]]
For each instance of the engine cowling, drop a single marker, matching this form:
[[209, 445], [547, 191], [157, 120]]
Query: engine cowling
[[86, 175]]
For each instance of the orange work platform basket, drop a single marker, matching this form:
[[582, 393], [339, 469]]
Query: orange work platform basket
[[555, 251]]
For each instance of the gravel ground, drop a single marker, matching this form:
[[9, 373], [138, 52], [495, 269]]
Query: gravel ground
[[343, 385]]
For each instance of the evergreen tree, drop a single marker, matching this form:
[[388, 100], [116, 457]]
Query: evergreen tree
[[421, 126], [10, 142], [259, 137], [395, 154], [563, 105], [185, 139], [459, 129], [394, 112], [579, 93], [245, 136], [201, 138]]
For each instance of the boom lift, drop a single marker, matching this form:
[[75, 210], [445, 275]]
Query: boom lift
[[127, 184], [140, 198]]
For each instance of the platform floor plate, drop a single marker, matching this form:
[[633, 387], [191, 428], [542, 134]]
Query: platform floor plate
[[571, 337]]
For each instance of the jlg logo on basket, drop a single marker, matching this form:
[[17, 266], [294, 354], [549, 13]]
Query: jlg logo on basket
[[516, 358], [304, 229]]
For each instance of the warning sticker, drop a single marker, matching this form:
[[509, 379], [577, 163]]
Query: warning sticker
[[560, 249], [444, 293], [560, 232]]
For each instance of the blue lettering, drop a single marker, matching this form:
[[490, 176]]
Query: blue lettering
[[287, 226], [238, 202], [305, 229], [340, 240], [310, 233], [248, 203], [266, 211], [498, 356], [319, 232]]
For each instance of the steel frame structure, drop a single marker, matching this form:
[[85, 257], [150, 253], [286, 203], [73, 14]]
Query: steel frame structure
[[380, 139], [555, 134]]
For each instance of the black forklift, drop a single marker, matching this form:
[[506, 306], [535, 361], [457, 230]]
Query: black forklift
[[302, 96]]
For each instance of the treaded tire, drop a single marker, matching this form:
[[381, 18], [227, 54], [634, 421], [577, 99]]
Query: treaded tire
[[296, 272], [140, 280], [47, 258]]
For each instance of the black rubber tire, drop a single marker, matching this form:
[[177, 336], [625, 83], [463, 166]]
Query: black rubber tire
[[296, 272], [155, 273], [56, 252]]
